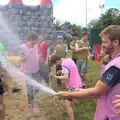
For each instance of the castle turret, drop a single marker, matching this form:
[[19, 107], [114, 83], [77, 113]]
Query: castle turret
[[47, 19], [15, 1], [24, 18], [45, 1]]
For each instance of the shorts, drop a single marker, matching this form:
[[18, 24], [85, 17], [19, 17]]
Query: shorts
[[82, 66], [1, 88], [31, 89]]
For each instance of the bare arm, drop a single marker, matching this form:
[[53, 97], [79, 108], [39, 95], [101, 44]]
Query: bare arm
[[89, 93], [108, 79], [72, 48], [77, 49], [66, 51], [63, 77], [65, 71], [117, 104]]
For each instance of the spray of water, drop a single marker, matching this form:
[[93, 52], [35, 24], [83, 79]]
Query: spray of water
[[23, 78], [12, 40]]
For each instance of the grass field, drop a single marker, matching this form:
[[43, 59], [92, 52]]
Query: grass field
[[16, 103]]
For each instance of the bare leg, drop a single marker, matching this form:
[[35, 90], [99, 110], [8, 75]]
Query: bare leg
[[36, 105], [70, 109], [30, 100], [83, 77], [30, 110], [2, 109]]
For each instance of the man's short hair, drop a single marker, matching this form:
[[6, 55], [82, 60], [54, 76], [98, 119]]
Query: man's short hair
[[32, 36], [54, 59], [113, 32]]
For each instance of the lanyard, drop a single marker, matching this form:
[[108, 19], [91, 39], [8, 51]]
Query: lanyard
[[117, 55]]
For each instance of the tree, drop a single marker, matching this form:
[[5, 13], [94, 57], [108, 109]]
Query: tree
[[110, 17], [57, 26], [94, 23], [72, 27]]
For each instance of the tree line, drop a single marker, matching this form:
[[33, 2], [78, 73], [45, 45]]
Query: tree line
[[110, 17]]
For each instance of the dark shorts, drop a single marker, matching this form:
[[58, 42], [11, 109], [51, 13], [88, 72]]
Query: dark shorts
[[1, 88]]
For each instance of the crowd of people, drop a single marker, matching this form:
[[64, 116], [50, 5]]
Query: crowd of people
[[72, 71]]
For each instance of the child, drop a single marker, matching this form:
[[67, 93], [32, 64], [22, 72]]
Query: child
[[71, 77]]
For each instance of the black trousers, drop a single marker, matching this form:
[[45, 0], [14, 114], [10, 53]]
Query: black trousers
[[58, 68]]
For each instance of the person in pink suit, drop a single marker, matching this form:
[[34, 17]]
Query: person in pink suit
[[30, 65], [71, 77], [108, 84]]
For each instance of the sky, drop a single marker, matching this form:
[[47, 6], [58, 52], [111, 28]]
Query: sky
[[74, 11]]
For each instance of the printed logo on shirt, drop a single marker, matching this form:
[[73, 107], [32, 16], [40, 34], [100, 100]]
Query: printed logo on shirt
[[109, 76]]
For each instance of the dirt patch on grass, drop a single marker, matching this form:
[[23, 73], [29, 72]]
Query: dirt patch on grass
[[17, 106]]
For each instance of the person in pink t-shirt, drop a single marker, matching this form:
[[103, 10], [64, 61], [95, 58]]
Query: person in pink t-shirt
[[71, 77], [30, 66]]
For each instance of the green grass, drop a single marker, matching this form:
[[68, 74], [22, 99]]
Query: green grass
[[85, 108]]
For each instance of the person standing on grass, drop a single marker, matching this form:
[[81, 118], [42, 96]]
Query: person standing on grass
[[72, 47], [71, 77], [3, 89], [2, 106], [30, 66], [108, 84], [43, 47], [82, 50], [61, 51], [3, 82]]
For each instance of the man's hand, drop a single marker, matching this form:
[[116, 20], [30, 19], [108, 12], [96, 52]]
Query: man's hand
[[89, 57], [55, 76], [117, 104], [60, 71], [77, 49], [62, 94], [78, 89]]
